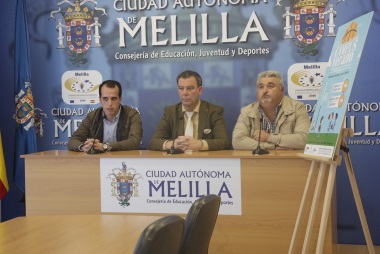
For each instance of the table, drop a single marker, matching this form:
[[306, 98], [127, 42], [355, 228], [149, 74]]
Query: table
[[65, 182], [73, 234]]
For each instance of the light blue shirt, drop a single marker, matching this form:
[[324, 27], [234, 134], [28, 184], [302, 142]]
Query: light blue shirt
[[110, 128]]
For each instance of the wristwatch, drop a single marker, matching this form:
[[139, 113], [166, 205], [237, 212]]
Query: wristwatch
[[106, 146]]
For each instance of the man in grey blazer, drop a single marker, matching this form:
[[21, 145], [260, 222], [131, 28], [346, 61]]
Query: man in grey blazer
[[193, 124]]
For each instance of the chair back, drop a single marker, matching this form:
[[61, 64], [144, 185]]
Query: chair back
[[162, 236], [199, 225]]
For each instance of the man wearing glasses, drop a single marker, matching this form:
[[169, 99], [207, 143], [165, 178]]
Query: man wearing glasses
[[277, 120], [111, 127], [192, 124]]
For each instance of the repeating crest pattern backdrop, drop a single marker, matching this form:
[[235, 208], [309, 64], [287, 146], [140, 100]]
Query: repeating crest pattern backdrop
[[145, 44]]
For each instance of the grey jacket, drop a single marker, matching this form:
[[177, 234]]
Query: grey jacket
[[292, 127], [128, 132]]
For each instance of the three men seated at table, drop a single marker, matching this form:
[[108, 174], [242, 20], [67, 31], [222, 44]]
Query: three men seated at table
[[194, 124]]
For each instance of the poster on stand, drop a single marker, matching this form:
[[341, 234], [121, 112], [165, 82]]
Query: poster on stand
[[330, 109]]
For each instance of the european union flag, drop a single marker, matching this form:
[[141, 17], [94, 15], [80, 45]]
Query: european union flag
[[26, 139]]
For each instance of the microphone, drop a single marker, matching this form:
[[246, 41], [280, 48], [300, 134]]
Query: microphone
[[258, 150], [93, 150], [173, 150]]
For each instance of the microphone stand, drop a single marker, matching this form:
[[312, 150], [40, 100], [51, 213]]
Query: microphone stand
[[258, 150], [172, 149], [92, 149]]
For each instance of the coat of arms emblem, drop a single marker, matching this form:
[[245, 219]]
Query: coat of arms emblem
[[124, 184], [24, 107], [80, 21], [309, 24]]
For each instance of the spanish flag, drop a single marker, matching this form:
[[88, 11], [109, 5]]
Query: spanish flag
[[4, 187]]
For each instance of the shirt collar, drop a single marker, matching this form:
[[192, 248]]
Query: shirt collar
[[277, 109], [195, 110]]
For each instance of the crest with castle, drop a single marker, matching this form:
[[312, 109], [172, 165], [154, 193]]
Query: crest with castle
[[124, 175], [124, 184], [79, 21], [309, 20]]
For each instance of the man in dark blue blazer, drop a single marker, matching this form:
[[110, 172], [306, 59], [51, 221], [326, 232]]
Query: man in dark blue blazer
[[194, 124]]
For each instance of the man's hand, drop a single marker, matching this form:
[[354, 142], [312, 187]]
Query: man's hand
[[263, 138], [188, 143], [88, 144]]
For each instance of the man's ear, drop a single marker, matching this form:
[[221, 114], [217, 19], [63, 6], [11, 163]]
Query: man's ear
[[200, 89]]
